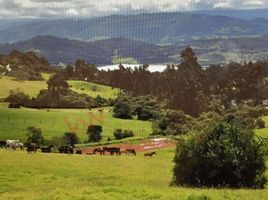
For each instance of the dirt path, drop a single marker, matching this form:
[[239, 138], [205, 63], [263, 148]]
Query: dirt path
[[145, 145]]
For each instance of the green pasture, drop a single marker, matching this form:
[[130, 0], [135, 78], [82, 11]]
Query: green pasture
[[55, 122], [80, 177], [93, 89], [31, 88]]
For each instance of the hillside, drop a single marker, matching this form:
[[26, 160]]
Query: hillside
[[93, 89], [152, 27], [103, 52], [55, 122], [32, 88]]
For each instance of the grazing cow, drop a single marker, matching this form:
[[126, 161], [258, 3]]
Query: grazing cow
[[18, 145], [150, 154], [47, 149], [131, 152], [98, 150], [32, 147], [3, 144], [66, 149], [78, 151], [112, 150], [101, 110], [11, 144]]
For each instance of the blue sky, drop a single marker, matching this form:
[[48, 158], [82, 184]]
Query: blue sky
[[91, 8]]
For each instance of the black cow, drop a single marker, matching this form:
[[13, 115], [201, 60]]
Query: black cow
[[32, 147], [98, 150], [3, 144], [47, 149], [151, 154], [66, 149], [112, 150], [78, 151], [131, 152]]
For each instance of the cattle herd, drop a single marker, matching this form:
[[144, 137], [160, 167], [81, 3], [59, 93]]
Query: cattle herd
[[68, 149]]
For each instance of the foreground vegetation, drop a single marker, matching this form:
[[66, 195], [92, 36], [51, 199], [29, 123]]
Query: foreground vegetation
[[55, 176], [53, 123]]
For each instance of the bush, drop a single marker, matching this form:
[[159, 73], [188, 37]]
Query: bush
[[94, 133], [228, 155], [34, 135], [119, 134], [70, 139], [260, 123], [122, 110]]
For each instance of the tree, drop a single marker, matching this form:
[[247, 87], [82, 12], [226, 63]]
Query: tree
[[57, 83], [34, 135], [94, 133], [119, 134], [228, 155], [122, 110], [70, 138], [18, 97]]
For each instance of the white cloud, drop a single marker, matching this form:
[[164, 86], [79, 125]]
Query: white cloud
[[43, 8]]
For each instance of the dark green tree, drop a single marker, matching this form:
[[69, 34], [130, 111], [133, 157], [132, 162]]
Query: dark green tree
[[34, 135], [94, 133]]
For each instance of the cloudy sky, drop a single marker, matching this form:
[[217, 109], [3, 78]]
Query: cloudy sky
[[89, 8]]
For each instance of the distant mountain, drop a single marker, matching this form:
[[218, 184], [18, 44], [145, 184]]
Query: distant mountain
[[236, 13], [102, 52], [164, 28]]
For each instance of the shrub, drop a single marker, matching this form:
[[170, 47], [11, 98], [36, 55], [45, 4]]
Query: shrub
[[34, 135], [70, 139], [260, 123], [94, 133], [122, 110], [119, 134], [228, 155]]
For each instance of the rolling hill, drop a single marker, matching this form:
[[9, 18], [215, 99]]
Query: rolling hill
[[103, 52], [55, 122], [149, 27]]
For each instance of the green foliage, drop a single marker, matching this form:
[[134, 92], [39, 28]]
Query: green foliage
[[94, 133], [70, 138], [119, 134], [34, 135], [226, 156], [18, 97], [122, 110], [173, 122]]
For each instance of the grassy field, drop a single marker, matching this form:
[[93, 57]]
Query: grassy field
[[55, 176], [31, 88], [55, 122], [93, 90]]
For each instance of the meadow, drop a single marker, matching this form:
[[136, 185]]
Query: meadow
[[93, 89], [32, 88], [55, 176], [55, 122]]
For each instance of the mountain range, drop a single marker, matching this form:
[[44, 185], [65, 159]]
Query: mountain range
[[103, 52], [156, 28]]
